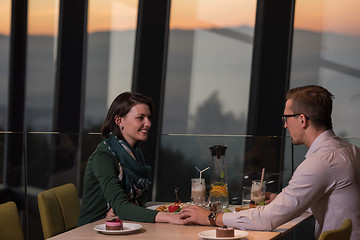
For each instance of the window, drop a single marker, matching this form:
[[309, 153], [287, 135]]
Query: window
[[326, 52], [208, 68], [110, 55], [40, 64], [206, 91], [5, 11]]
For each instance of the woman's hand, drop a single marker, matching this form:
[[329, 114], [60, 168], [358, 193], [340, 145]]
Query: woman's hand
[[168, 218]]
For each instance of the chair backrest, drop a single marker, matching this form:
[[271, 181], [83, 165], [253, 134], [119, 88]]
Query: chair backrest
[[10, 226], [59, 209], [343, 233]]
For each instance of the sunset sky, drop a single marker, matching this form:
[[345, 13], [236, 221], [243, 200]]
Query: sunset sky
[[330, 15]]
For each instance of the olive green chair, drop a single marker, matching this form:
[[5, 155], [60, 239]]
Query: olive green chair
[[59, 209], [10, 226], [343, 233]]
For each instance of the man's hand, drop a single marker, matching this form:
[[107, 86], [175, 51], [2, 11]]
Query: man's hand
[[193, 214], [269, 197]]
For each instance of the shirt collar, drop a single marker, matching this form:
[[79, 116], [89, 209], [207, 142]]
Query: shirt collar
[[317, 142]]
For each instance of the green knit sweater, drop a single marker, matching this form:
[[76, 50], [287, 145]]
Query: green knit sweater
[[102, 188]]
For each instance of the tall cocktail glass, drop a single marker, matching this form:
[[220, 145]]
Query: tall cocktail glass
[[258, 191], [198, 191]]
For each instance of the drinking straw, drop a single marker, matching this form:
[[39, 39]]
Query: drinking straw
[[201, 172], [176, 195], [262, 178]]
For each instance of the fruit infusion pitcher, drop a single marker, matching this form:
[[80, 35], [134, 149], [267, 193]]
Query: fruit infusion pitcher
[[218, 186]]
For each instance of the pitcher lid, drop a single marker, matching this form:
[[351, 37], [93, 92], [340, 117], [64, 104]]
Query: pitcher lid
[[218, 150]]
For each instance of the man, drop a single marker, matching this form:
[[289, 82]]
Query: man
[[327, 181]]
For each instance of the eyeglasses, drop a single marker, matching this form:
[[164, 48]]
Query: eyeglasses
[[285, 116]]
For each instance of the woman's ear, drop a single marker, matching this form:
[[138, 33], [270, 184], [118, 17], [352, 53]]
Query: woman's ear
[[117, 120]]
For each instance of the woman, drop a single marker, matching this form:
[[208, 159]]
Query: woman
[[117, 179]]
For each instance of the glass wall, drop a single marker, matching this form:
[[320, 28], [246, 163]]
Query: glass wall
[[110, 56], [206, 88], [326, 52], [208, 67], [5, 20], [41, 59], [181, 154], [48, 160]]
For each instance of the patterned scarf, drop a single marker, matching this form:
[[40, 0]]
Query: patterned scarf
[[133, 169]]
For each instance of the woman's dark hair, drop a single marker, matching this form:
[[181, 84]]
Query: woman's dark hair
[[121, 105], [315, 102]]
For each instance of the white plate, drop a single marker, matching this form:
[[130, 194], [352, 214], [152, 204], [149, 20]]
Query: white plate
[[232, 208], [156, 206], [211, 234], [128, 228]]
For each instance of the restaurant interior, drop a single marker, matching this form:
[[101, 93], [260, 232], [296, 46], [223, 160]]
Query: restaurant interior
[[217, 71]]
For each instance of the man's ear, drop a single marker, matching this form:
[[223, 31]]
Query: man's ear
[[304, 121]]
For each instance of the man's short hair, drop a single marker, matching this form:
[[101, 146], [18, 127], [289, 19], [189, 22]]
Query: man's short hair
[[314, 102]]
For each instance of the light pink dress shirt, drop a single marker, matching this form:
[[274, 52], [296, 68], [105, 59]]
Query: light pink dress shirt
[[327, 181]]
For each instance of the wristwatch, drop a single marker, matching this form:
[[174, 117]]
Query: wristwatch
[[212, 218]]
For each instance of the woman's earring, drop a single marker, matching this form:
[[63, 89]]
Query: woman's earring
[[122, 127]]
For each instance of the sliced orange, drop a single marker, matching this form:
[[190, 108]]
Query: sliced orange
[[219, 191]]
